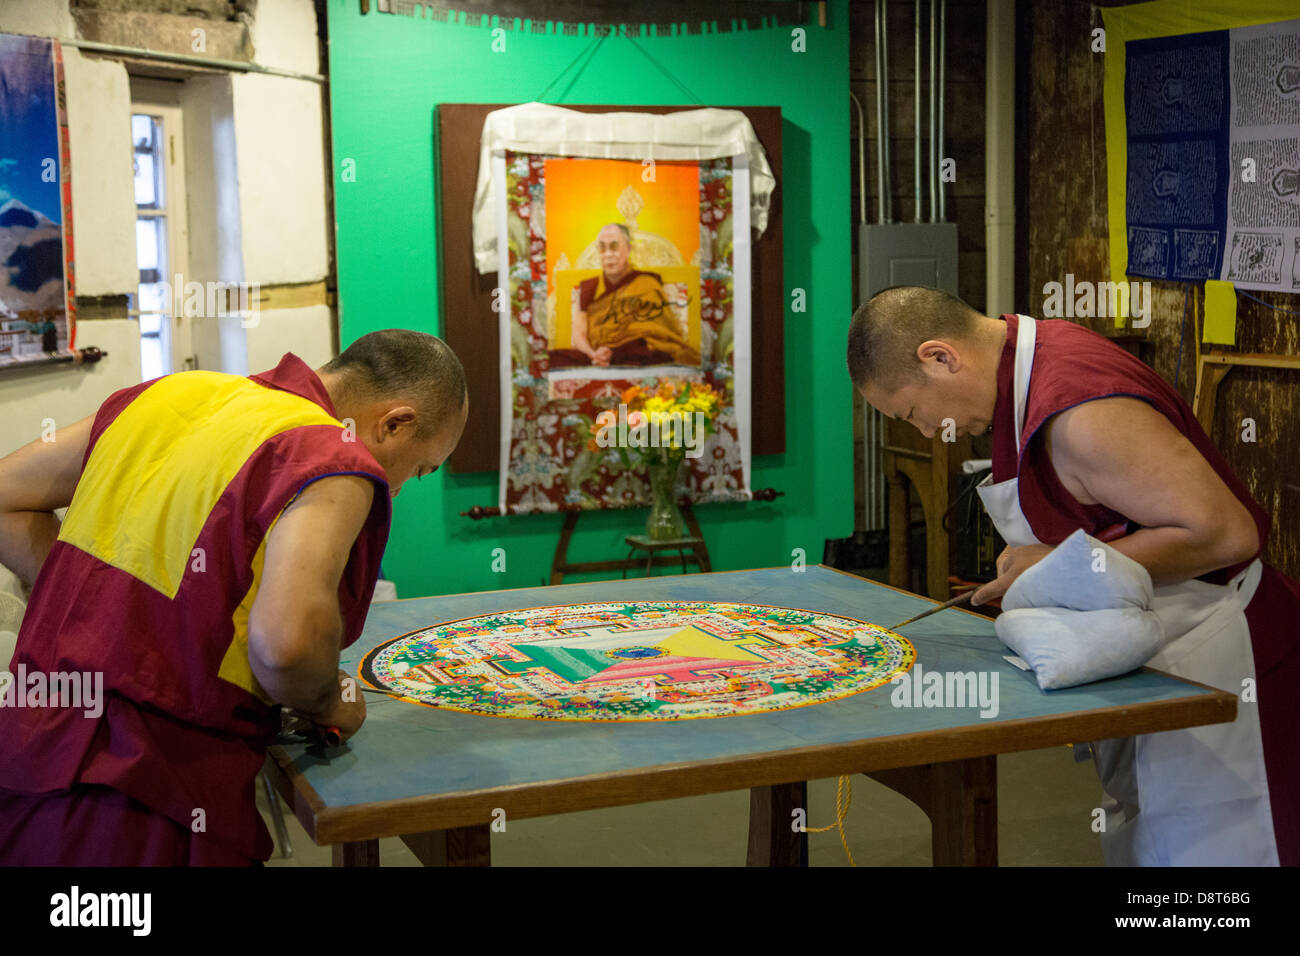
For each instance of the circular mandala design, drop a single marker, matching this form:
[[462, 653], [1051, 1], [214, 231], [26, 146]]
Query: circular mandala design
[[638, 661]]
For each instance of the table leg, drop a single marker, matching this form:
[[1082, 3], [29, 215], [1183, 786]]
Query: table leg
[[360, 853], [961, 799], [772, 838], [459, 846], [681, 553], [649, 564], [627, 561]]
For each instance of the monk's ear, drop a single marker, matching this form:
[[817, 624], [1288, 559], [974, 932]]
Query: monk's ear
[[396, 419], [941, 353]]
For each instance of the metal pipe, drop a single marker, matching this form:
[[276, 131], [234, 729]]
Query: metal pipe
[[916, 120], [233, 65], [880, 126], [862, 159], [1000, 156], [887, 188], [943, 43], [934, 112]]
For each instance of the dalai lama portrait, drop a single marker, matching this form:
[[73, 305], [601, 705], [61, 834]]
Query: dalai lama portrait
[[623, 317]]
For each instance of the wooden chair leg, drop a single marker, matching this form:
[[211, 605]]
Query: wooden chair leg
[[702, 549], [562, 547], [1207, 390], [899, 529]]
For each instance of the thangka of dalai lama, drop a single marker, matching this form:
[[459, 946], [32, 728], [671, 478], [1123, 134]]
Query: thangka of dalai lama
[[623, 316]]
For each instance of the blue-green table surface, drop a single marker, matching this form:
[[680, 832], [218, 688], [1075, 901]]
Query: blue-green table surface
[[408, 750]]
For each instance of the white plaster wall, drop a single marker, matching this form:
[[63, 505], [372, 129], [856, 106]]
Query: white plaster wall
[[284, 35], [278, 134], [38, 18], [216, 253], [67, 394], [103, 197], [306, 332]]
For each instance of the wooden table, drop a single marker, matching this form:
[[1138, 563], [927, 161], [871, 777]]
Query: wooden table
[[438, 779]]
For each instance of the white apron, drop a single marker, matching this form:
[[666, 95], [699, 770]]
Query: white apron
[[1195, 797]]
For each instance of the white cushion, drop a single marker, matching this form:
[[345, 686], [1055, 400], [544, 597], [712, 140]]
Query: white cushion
[[1081, 614]]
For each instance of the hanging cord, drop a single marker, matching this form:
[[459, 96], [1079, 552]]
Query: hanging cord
[[1275, 308], [842, 801], [588, 51], [659, 66]]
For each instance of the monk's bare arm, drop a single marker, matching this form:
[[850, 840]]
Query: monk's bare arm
[[295, 629], [1122, 453], [34, 481]]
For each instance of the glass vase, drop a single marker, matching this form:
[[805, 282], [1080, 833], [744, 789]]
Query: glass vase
[[665, 522]]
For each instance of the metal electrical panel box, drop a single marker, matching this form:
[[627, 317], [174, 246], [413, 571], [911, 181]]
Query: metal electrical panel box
[[906, 253], [889, 254]]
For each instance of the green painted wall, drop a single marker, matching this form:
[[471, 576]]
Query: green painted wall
[[387, 75]]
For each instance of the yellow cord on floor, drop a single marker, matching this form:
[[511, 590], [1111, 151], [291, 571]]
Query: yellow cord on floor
[[842, 802]]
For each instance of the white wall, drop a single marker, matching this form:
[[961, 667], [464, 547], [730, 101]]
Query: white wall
[[306, 332], [103, 197], [40, 18], [280, 133], [282, 207], [258, 214], [65, 394]]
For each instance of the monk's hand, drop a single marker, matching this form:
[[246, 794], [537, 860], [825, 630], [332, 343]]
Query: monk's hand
[[602, 355], [346, 711], [1012, 562]]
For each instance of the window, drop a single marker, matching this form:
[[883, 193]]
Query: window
[[151, 246], [161, 230]]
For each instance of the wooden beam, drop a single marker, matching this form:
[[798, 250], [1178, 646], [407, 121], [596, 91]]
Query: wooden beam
[[1254, 359]]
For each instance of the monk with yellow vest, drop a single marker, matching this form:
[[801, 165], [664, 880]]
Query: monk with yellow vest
[[221, 545]]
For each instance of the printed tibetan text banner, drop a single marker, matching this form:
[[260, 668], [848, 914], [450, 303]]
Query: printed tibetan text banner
[[1210, 162], [618, 273]]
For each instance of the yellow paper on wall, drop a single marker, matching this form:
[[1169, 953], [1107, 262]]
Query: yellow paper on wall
[[1220, 313]]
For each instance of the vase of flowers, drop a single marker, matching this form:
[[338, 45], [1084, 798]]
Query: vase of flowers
[[661, 427], [665, 522]]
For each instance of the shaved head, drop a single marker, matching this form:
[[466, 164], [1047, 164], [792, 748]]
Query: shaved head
[[403, 364], [887, 330]]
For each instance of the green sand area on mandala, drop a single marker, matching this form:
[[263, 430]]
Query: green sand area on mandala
[[651, 661]]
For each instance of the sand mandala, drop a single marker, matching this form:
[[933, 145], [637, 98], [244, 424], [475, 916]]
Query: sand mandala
[[668, 660]]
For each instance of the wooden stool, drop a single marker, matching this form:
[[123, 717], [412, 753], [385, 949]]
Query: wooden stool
[[692, 544]]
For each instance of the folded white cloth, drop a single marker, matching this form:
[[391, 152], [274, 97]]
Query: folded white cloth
[[8, 644], [706, 133], [1081, 614]]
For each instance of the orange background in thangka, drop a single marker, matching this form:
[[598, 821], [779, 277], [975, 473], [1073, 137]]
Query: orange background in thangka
[[581, 196]]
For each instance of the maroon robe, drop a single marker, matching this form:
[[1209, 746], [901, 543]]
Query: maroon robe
[[175, 734], [1073, 365]]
